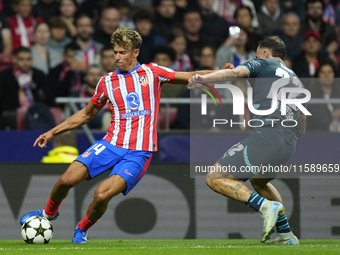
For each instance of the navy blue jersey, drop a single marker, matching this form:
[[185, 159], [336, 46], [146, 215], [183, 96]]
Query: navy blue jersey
[[270, 76]]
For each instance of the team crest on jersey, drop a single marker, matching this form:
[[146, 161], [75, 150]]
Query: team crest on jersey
[[144, 80], [86, 154]]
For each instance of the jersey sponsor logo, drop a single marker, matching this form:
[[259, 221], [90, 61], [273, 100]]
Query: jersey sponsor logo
[[126, 171], [86, 154], [135, 114], [133, 100], [144, 80]]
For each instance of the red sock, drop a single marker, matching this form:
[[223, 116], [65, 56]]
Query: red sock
[[85, 223], [52, 208]]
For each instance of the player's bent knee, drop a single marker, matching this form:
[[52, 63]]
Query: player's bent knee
[[65, 182], [101, 197]]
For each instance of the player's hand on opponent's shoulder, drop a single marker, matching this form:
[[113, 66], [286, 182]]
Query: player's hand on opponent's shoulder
[[228, 66], [195, 81], [43, 139]]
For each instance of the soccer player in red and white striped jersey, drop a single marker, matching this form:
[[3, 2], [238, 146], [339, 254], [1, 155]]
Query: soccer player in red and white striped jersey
[[134, 93]]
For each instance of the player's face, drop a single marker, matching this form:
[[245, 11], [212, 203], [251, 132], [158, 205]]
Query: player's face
[[108, 61], [24, 61], [84, 29], [125, 58]]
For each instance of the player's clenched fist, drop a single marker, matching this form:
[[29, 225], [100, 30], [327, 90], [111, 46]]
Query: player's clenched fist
[[195, 81], [43, 139]]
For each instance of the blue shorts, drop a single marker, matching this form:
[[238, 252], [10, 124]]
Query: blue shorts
[[131, 165]]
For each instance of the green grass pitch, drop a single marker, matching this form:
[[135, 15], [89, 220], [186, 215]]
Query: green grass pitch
[[150, 247]]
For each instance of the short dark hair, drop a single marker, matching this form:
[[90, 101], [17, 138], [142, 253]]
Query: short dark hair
[[143, 14], [275, 44], [163, 49], [82, 16], [72, 46], [21, 49], [57, 22], [243, 7], [174, 34], [315, 1], [106, 48]]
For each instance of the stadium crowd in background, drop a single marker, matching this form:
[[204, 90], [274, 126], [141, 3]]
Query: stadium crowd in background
[[50, 48]]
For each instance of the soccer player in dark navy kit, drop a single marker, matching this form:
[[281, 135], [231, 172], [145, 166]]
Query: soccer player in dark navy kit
[[270, 144], [133, 92]]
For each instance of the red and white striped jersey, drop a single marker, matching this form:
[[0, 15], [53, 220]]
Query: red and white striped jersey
[[134, 101]]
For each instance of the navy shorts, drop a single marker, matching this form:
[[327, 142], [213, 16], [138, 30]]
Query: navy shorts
[[264, 146], [131, 165]]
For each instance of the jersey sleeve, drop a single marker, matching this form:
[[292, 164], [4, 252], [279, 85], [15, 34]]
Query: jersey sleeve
[[165, 74], [99, 98], [254, 66]]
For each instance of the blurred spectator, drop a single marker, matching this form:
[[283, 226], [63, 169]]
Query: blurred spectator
[[295, 6], [143, 20], [90, 48], [109, 22], [305, 64], [165, 56], [68, 11], [166, 18], [177, 41], [107, 60], [92, 76], [21, 86], [226, 9], [290, 35], [213, 25], [65, 79], [208, 59], [314, 22], [244, 18], [45, 9], [270, 18], [22, 24], [44, 58], [58, 39], [236, 50], [6, 45], [64, 149], [192, 24], [124, 8], [325, 116]]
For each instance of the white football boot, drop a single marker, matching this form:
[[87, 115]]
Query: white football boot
[[270, 211], [285, 238]]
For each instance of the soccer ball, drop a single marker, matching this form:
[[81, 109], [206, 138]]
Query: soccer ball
[[37, 230]]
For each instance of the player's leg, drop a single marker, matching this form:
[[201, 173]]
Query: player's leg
[[227, 185], [124, 177], [76, 173], [265, 189]]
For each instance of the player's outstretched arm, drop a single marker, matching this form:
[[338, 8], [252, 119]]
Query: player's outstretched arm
[[301, 124], [218, 76], [183, 77], [76, 120]]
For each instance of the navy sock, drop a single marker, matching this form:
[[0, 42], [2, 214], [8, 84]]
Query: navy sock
[[282, 224], [255, 201]]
